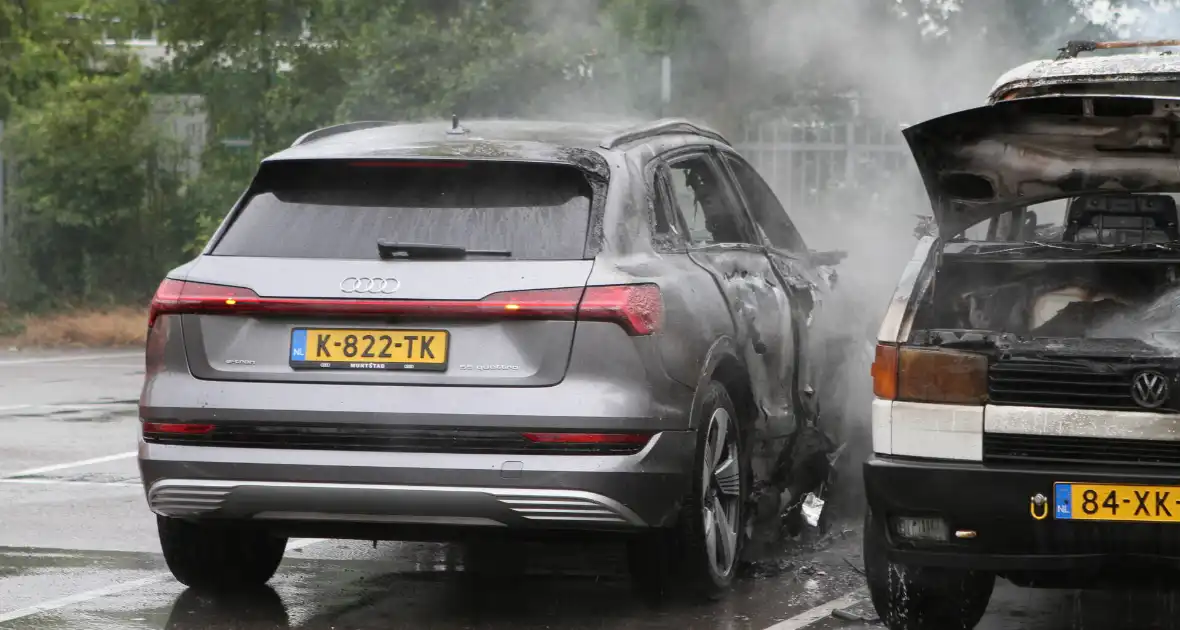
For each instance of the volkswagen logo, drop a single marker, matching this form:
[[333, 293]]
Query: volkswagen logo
[[372, 286], [1150, 389]]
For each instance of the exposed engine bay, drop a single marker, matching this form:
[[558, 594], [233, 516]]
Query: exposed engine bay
[[1110, 270], [1054, 299]]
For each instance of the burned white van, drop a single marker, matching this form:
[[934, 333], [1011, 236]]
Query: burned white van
[[1026, 420]]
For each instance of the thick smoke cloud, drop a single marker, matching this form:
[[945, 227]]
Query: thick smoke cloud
[[901, 61]]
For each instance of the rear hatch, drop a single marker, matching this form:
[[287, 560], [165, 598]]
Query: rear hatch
[[353, 272]]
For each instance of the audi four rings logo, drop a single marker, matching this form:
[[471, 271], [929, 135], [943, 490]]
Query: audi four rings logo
[[379, 286], [1149, 389]]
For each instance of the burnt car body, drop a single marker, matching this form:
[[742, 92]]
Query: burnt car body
[[1026, 420], [620, 305]]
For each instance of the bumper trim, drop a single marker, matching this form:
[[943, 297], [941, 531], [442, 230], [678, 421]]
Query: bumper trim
[[1082, 423], [993, 500], [388, 503]]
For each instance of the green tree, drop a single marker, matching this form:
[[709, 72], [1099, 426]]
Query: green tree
[[95, 217], [87, 211]]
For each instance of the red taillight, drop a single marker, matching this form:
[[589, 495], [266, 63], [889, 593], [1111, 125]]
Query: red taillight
[[153, 356], [178, 296], [177, 428], [638, 308], [588, 438]]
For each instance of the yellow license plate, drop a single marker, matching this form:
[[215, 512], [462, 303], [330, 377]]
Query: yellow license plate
[[353, 349], [1109, 502]]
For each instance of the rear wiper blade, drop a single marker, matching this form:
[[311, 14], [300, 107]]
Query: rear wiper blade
[[389, 250]]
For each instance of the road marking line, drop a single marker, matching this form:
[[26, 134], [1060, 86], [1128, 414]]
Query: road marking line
[[806, 618], [113, 589], [137, 366], [85, 462], [72, 482], [77, 598], [85, 357]]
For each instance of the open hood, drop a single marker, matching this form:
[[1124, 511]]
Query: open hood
[[982, 162]]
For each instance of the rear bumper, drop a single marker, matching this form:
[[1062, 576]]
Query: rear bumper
[[608, 492], [575, 404], [994, 501]]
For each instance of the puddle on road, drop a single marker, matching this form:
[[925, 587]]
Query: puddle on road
[[574, 587], [15, 561]]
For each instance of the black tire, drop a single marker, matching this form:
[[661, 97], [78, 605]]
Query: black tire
[[687, 555], [922, 598], [217, 557]]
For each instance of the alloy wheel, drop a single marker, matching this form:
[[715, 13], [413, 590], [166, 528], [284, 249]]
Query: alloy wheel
[[721, 493]]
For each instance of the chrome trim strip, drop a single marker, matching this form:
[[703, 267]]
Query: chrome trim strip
[[173, 497], [1087, 423], [378, 518]]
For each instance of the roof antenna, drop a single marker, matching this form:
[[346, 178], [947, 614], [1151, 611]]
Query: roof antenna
[[455, 129]]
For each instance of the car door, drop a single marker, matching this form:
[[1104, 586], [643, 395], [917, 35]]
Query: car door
[[724, 242], [790, 259], [695, 312]]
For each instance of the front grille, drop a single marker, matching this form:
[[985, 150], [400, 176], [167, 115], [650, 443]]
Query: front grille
[[1064, 384], [382, 438], [1008, 448]]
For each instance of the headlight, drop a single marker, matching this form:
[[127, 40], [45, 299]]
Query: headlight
[[930, 375]]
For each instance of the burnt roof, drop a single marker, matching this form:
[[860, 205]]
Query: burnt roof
[[486, 139], [1088, 70]]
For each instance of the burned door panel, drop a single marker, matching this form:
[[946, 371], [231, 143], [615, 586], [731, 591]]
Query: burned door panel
[[696, 312], [723, 242], [800, 285], [787, 254], [761, 309]]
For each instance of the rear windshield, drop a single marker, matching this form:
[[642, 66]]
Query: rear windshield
[[341, 210]]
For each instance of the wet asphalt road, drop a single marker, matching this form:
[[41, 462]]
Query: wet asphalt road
[[78, 549]]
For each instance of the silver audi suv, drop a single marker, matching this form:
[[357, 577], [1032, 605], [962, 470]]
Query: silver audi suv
[[443, 332]]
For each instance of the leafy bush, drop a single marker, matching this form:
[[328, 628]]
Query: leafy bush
[[92, 209]]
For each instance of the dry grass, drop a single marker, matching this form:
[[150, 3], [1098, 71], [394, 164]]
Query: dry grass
[[107, 328]]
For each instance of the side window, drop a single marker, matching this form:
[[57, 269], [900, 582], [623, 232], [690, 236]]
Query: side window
[[664, 219], [765, 207], [705, 207]]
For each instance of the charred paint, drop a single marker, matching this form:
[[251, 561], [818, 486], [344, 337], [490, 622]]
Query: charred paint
[[915, 278], [1024, 152], [1082, 423], [1066, 73]]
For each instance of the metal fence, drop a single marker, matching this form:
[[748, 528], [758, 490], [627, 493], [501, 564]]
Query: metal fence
[[807, 162]]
